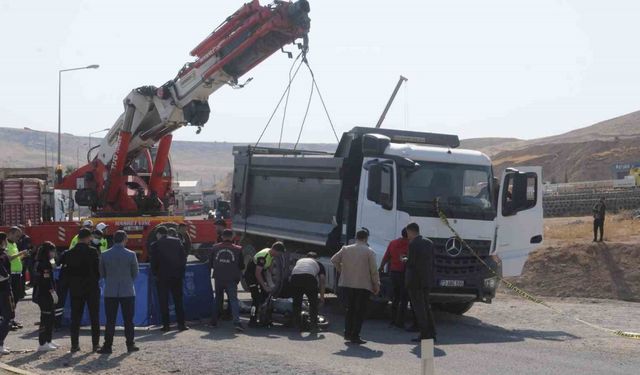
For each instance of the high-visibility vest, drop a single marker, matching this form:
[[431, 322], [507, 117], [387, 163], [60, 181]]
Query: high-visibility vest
[[74, 241], [16, 263]]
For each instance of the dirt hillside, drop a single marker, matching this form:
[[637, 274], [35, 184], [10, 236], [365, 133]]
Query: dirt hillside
[[596, 270]]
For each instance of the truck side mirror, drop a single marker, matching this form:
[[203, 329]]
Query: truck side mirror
[[375, 178]]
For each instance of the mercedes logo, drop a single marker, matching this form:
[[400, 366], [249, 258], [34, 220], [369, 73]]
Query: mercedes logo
[[453, 247]]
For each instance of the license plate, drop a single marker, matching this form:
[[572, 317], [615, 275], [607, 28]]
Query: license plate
[[452, 283]]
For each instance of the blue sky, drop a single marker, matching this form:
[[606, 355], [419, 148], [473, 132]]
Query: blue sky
[[526, 68]]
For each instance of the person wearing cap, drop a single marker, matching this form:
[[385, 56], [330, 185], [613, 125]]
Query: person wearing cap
[[308, 277], [358, 279], [255, 278], [81, 269], [88, 224], [168, 265], [99, 242], [104, 244], [227, 264], [16, 256]]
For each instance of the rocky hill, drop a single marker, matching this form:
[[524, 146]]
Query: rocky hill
[[579, 155]]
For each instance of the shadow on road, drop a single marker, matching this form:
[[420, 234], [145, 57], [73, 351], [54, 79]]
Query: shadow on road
[[359, 352]]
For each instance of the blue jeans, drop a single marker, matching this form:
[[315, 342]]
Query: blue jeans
[[231, 288]]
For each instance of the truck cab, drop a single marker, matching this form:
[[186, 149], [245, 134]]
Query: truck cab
[[382, 180]]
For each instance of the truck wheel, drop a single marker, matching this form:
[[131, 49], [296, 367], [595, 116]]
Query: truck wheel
[[457, 308], [248, 251]]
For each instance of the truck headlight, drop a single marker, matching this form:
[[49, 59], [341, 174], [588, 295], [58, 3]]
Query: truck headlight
[[491, 283]]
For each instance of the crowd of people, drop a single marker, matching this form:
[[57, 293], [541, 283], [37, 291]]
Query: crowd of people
[[76, 273]]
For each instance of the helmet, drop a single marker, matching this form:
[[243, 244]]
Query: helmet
[[101, 227], [87, 223]]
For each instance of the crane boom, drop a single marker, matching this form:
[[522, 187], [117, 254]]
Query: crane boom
[[125, 177]]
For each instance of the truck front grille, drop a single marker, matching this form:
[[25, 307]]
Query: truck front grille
[[464, 263]]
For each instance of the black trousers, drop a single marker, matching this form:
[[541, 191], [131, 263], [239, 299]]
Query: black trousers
[[45, 330], [357, 300], [598, 226], [92, 300], [400, 298], [127, 306], [422, 309], [17, 287], [63, 292], [305, 285], [173, 286], [6, 315], [258, 296]]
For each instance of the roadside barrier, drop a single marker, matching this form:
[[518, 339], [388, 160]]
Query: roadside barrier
[[523, 293]]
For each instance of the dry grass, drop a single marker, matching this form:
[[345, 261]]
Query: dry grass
[[620, 227]]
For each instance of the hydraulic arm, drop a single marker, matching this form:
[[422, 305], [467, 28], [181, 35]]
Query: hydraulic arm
[[126, 176]]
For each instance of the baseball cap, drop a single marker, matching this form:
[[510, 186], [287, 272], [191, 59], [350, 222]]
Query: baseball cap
[[87, 223], [101, 227]]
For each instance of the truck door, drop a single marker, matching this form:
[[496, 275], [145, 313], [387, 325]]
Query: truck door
[[377, 207], [519, 227]]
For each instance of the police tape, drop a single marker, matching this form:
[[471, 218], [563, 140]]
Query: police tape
[[523, 293]]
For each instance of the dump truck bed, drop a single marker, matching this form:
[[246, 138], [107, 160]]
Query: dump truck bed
[[286, 194]]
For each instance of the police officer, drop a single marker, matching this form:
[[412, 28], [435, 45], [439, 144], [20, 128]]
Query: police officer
[[44, 294], [88, 224], [227, 264], [15, 256], [7, 308], [99, 242], [254, 277], [307, 278]]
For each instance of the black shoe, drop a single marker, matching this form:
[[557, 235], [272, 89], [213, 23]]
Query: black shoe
[[238, 327], [105, 350], [357, 341], [16, 325], [132, 349], [182, 328], [74, 349], [254, 324], [96, 348], [165, 328]]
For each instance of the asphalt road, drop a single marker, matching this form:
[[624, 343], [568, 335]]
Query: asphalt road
[[511, 336]]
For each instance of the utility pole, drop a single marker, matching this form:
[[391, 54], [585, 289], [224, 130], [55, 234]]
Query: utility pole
[[391, 99]]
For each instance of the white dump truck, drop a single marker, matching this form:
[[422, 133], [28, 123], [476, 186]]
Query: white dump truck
[[382, 180]]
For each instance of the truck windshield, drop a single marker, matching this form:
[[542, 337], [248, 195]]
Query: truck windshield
[[464, 190]]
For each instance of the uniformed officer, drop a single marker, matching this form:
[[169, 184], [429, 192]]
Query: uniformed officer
[[254, 277]]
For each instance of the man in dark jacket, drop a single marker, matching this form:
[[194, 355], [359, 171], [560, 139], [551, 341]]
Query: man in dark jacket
[[599, 212], [227, 264], [81, 269], [168, 264], [419, 275]]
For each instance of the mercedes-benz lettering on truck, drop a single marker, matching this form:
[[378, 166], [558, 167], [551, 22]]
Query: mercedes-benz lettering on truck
[[382, 180]]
